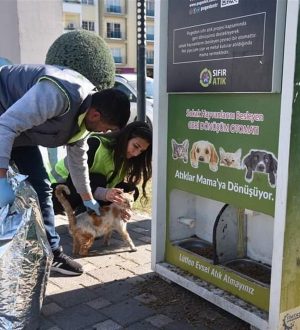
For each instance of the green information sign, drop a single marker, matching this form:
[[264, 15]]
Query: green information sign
[[224, 147]]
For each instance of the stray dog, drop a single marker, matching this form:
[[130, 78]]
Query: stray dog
[[85, 227], [205, 152], [260, 161]]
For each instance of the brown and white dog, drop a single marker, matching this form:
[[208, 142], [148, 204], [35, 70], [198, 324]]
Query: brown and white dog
[[85, 227], [204, 152]]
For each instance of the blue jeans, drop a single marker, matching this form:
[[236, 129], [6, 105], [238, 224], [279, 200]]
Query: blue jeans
[[29, 162], [52, 155]]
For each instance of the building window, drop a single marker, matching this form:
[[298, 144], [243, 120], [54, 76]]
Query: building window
[[114, 30], [70, 26], [88, 25], [150, 32], [72, 1], [150, 56], [149, 7], [87, 2], [117, 55], [113, 6]]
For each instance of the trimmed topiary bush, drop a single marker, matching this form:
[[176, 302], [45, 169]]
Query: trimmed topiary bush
[[87, 53]]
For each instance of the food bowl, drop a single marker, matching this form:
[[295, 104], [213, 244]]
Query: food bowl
[[198, 246], [252, 269]]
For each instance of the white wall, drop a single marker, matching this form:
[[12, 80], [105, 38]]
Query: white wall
[[28, 28]]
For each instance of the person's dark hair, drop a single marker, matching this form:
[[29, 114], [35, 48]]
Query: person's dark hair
[[138, 168], [113, 105]]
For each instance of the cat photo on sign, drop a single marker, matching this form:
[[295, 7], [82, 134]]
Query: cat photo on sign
[[180, 150], [230, 159]]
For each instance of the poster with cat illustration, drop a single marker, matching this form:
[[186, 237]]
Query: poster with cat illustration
[[224, 148]]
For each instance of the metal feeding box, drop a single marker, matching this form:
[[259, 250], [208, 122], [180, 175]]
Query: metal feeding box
[[226, 155]]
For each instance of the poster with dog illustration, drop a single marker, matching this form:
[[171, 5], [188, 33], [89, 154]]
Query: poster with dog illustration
[[225, 148], [204, 152], [263, 162]]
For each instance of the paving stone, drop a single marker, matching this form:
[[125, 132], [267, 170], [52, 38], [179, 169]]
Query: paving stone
[[107, 325], [140, 230], [90, 266], [141, 256], [145, 239], [145, 223], [142, 269], [60, 220], [139, 216], [50, 309], [146, 298], [143, 325], [52, 288], [47, 300], [134, 236], [128, 264], [148, 276], [77, 317], [90, 281], [67, 283], [98, 303], [116, 291], [127, 312], [47, 325], [135, 279], [115, 245], [62, 228], [74, 297], [159, 320], [111, 273], [104, 260], [178, 325]]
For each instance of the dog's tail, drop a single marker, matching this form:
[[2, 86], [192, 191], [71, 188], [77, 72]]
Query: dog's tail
[[59, 193]]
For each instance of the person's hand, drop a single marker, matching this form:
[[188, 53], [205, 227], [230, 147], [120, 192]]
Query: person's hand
[[7, 195], [114, 195], [93, 205]]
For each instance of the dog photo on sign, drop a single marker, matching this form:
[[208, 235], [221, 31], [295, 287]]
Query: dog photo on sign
[[260, 161], [204, 152]]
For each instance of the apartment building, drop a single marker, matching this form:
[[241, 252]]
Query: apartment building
[[28, 28], [115, 21]]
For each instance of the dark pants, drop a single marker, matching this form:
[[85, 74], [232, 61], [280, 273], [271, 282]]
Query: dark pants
[[29, 162], [96, 180]]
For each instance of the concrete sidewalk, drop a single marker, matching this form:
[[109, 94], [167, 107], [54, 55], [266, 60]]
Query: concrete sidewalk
[[119, 291]]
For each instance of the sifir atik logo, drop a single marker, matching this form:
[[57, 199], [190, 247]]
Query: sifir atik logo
[[216, 77], [289, 321]]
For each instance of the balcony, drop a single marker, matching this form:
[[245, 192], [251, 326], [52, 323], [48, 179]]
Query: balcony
[[70, 26], [114, 34], [150, 37], [150, 12], [150, 60], [118, 59], [114, 9], [88, 2], [72, 1]]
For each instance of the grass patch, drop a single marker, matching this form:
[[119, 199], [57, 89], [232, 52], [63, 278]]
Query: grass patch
[[141, 207]]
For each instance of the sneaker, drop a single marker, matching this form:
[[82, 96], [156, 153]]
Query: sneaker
[[65, 265]]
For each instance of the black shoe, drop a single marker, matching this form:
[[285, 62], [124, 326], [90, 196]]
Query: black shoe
[[65, 265]]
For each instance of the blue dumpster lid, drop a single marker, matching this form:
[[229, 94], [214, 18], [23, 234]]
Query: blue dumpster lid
[[4, 61]]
